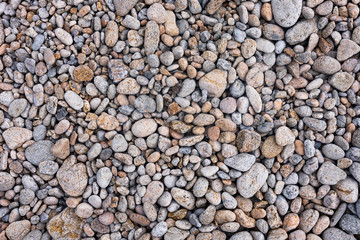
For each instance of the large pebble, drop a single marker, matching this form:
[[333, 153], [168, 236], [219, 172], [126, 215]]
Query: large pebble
[[185, 198], [39, 152], [144, 127], [286, 12], [72, 177], [214, 82], [64, 36], [250, 182], [16, 136]]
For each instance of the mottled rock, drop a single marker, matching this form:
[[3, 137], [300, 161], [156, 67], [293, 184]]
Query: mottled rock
[[214, 82], [65, 226], [72, 177], [16, 136], [250, 182]]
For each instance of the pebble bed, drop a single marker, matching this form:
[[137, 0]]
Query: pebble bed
[[179, 119]]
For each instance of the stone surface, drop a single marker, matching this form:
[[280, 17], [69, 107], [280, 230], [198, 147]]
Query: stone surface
[[16, 136], [72, 177], [250, 182], [65, 225], [286, 13], [214, 82]]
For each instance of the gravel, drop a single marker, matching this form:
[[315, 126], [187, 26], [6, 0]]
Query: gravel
[[179, 119]]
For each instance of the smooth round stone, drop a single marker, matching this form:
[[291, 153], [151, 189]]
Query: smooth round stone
[[74, 100], [103, 177], [228, 105], [119, 143], [144, 127], [333, 151], [63, 36], [48, 167], [160, 229], [286, 13], [26, 196]]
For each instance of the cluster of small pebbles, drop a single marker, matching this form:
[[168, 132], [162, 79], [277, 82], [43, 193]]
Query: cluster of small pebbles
[[179, 119]]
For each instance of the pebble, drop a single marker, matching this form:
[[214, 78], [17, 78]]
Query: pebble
[[7, 182], [179, 119], [65, 225], [241, 162], [74, 100], [144, 127], [286, 13], [72, 177], [214, 82], [16, 136], [63, 36], [18, 229], [39, 152], [330, 174], [250, 182], [185, 198]]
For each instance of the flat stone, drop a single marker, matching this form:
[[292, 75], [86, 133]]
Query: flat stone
[[342, 81], [333, 151], [119, 143], [17, 107], [39, 151], [315, 124], [254, 98], [103, 177], [63, 36], [123, 7], [15, 136], [270, 149], [157, 13], [326, 65], [301, 31], [347, 49], [65, 226], [330, 174], [284, 136], [241, 162], [111, 33], [250, 182], [336, 234], [18, 230], [152, 37], [74, 100], [175, 233]]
